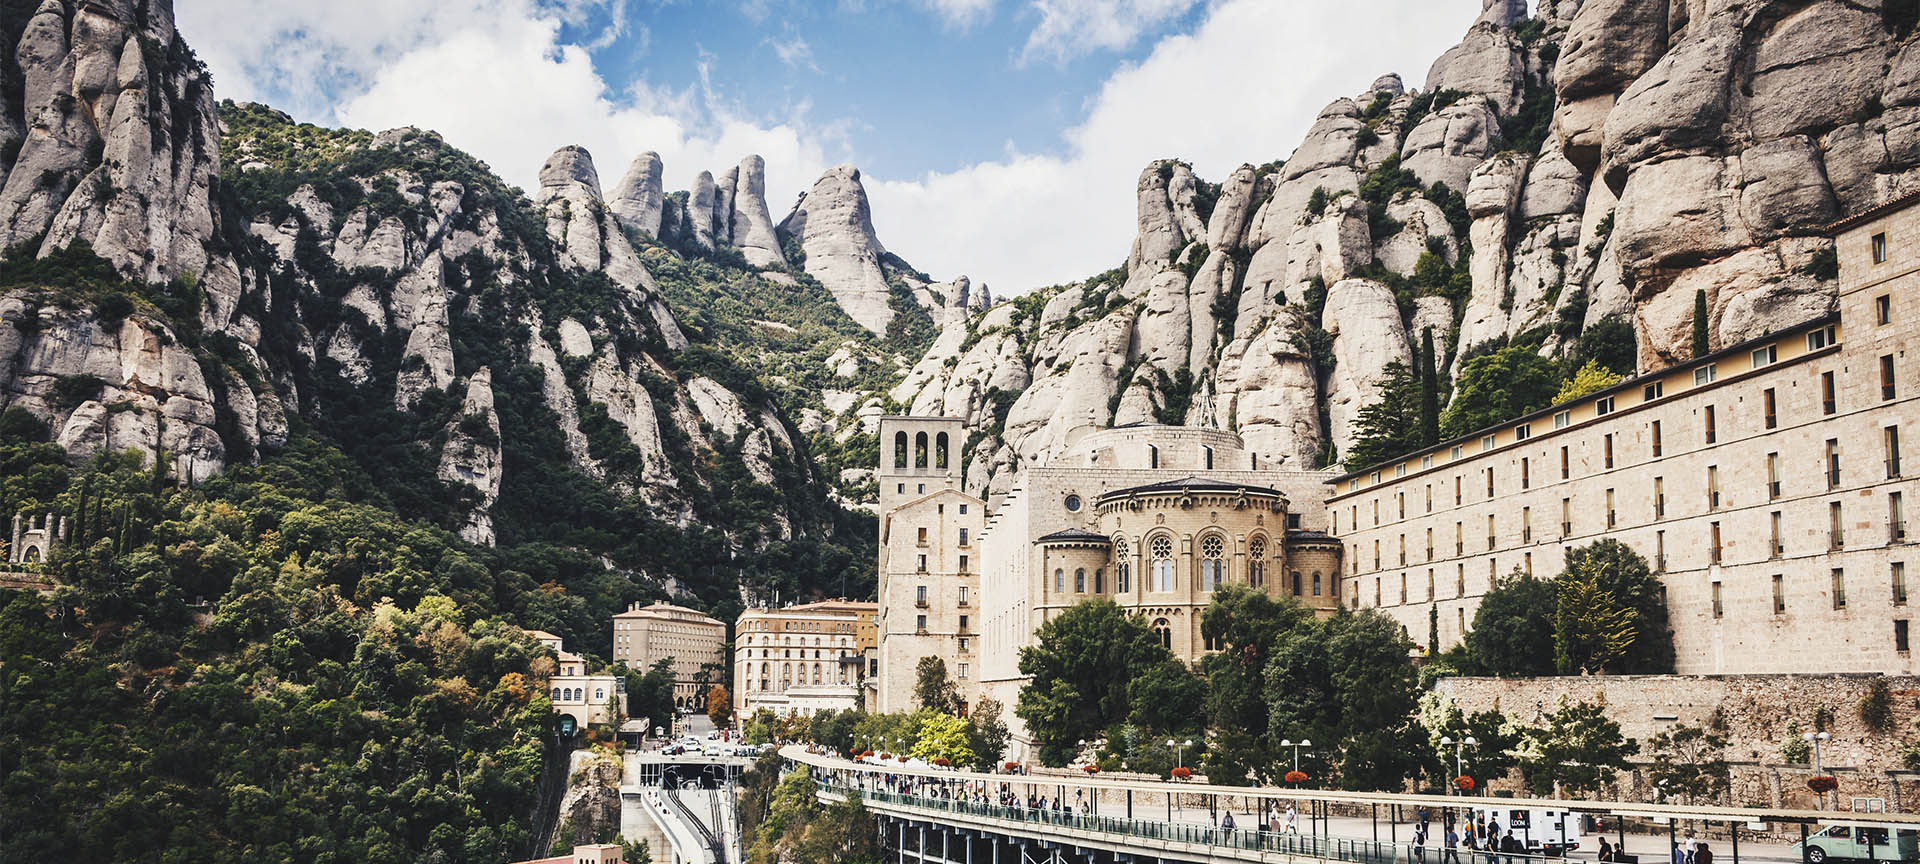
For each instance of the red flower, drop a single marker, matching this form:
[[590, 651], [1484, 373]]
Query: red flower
[[1463, 783], [941, 761], [902, 757], [1091, 769], [1823, 783], [1296, 777], [1182, 772], [1009, 766]]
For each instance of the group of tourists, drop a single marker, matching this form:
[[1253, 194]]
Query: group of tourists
[[1477, 835]]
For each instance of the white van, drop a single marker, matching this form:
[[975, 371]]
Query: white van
[[1544, 832]]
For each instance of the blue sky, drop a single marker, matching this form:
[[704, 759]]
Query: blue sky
[[998, 139]]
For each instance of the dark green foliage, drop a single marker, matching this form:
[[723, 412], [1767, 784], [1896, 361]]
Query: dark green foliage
[[1499, 386], [1609, 342], [649, 692], [1701, 346], [1876, 705], [1079, 667], [1527, 128], [1824, 264], [1512, 633], [1389, 427], [1345, 684], [1429, 389], [71, 390], [1576, 753], [1247, 624], [1163, 695], [1176, 395], [1317, 202], [1621, 587], [1454, 204], [932, 689]]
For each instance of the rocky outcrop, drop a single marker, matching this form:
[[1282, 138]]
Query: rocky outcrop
[[638, 197], [117, 139], [471, 455], [834, 226], [1368, 334], [751, 226]]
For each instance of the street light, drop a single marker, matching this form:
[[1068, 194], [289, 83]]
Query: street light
[[1296, 745], [1179, 750], [1459, 757]]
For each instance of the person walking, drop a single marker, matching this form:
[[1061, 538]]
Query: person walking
[[1452, 854], [1420, 844], [1226, 826], [1702, 855], [1692, 846], [1293, 819], [1606, 851]]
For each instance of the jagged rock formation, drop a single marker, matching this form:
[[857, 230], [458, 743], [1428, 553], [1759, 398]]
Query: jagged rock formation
[[472, 454], [638, 198], [113, 141], [834, 227]]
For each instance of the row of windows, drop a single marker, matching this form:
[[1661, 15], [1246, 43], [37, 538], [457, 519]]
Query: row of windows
[[576, 694], [1604, 405]]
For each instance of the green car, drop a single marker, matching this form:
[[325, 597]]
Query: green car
[[1859, 843]]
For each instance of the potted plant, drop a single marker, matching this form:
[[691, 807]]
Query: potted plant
[[1463, 783], [1296, 777], [1823, 783], [1090, 769], [941, 761], [1181, 773], [1010, 766]]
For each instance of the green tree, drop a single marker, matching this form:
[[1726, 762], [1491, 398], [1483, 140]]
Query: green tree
[[759, 727], [1578, 751], [989, 733], [1689, 763], [1876, 705], [1078, 669], [932, 688], [1167, 697], [1701, 346], [1346, 683], [1388, 427], [1591, 627], [1590, 378], [1512, 631], [1620, 573], [650, 693], [943, 736], [1498, 386], [1429, 385], [1246, 623], [1491, 756]]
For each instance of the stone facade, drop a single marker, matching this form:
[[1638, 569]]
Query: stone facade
[[801, 659], [1750, 711], [929, 559], [1763, 482], [35, 537], [589, 699], [643, 635]]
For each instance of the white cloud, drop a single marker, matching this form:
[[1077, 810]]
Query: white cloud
[[1071, 28], [1243, 87], [960, 14], [793, 51]]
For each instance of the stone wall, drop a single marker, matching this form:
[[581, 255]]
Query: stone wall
[[1751, 711]]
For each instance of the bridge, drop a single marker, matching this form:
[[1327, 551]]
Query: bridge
[[683, 806], [939, 816]]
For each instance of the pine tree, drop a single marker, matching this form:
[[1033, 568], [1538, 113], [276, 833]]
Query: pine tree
[[1429, 391], [1700, 347]]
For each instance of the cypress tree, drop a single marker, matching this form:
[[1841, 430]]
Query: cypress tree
[[1700, 348], [1429, 391]]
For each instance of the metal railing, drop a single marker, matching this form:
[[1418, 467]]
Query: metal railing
[[1254, 838]]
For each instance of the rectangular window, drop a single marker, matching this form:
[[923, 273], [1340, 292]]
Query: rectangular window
[[1775, 541], [1900, 635], [1429, 544], [963, 602], [1460, 580], [1399, 470], [923, 564], [1522, 432], [920, 596], [1493, 573], [1762, 357], [1426, 462], [1833, 463], [1820, 338], [1455, 453], [1486, 442], [1400, 502], [963, 509], [1526, 564], [1771, 406], [1607, 445], [1489, 481], [1719, 609], [1890, 442], [1562, 418], [963, 536], [1653, 391], [1896, 518], [963, 569], [1376, 590], [1459, 538], [1827, 405], [1705, 374], [1880, 248], [1836, 528], [1376, 512], [1886, 377], [1659, 497], [1565, 469], [1713, 542], [1713, 487], [1429, 497], [1603, 407], [1658, 444], [1713, 429], [1376, 554], [1839, 588], [1489, 532], [1660, 551], [1456, 490], [1403, 550], [1430, 594], [964, 668], [920, 623], [1883, 310], [1566, 516], [1899, 583], [1610, 516], [922, 541], [1773, 476], [1779, 594], [1526, 474], [1526, 524]]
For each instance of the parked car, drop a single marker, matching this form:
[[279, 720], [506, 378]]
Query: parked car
[[1861, 843]]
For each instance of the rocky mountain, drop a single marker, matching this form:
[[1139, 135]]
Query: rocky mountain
[[1566, 182]]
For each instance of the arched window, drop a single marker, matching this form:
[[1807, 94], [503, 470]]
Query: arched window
[[940, 451], [899, 449], [1099, 581], [1080, 580], [1162, 551], [1059, 581], [1122, 573], [1165, 629], [556, 694], [1296, 583], [920, 450], [1213, 550], [599, 694], [1316, 583], [1257, 562]]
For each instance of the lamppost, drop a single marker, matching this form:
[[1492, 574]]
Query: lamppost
[[1459, 754], [1296, 745], [1179, 751], [1817, 739]]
